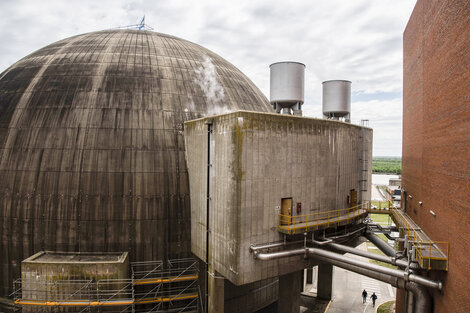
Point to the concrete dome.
(92, 150)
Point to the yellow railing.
(379, 206)
(427, 250)
(311, 220)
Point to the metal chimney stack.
(287, 87)
(337, 99)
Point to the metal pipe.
(266, 246)
(255, 248)
(382, 228)
(394, 281)
(328, 256)
(373, 256)
(385, 270)
(423, 299)
(280, 254)
(322, 243)
(382, 245)
(346, 235)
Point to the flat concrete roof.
(77, 257)
(296, 118)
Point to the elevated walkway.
(431, 255)
(299, 224)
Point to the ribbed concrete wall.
(91, 144)
(256, 160)
(436, 137)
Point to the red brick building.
(436, 138)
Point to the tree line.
(390, 165)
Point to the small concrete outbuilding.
(69, 277)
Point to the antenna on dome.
(141, 25)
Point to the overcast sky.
(357, 40)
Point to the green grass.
(387, 307)
(386, 165)
(381, 218)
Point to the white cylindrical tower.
(337, 99)
(287, 87)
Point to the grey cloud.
(358, 40)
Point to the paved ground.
(347, 289)
(376, 194)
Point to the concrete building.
(268, 178)
(436, 139)
(42, 274)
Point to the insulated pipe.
(280, 254)
(373, 256)
(322, 243)
(391, 228)
(423, 300)
(394, 281)
(255, 248)
(346, 235)
(330, 256)
(382, 245)
(385, 270)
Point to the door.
(353, 198)
(286, 211)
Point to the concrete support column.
(310, 275)
(216, 292)
(289, 292)
(325, 281)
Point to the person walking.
(364, 296)
(373, 297)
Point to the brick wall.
(436, 136)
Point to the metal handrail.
(424, 248)
(318, 218)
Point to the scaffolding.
(153, 287)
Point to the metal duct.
(373, 256)
(328, 256)
(278, 244)
(382, 245)
(385, 270)
(396, 278)
(280, 254)
(423, 300)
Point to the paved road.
(376, 195)
(347, 289)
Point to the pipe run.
(373, 256)
(255, 248)
(382, 245)
(422, 298)
(329, 257)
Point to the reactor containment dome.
(92, 150)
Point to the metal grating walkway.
(429, 254)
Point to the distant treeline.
(386, 165)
